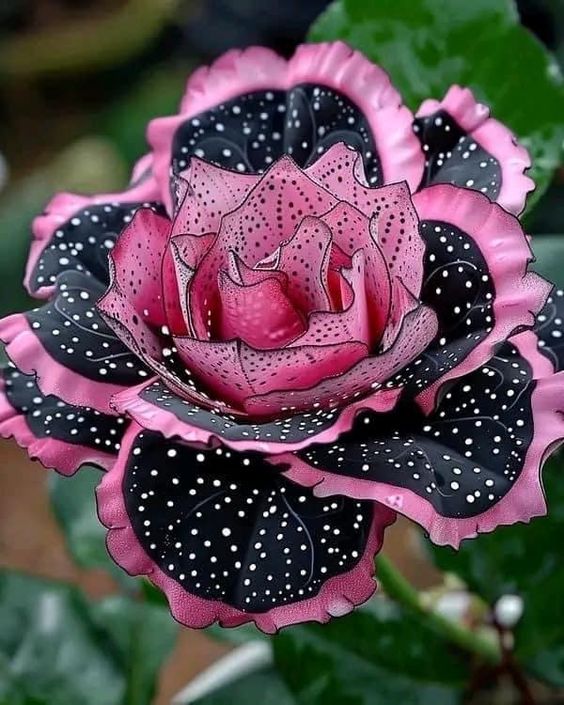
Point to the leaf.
(549, 252)
(525, 560)
(375, 656)
(58, 648)
(144, 635)
(264, 687)
(74, 504)
(428, 45)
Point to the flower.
(308, 312)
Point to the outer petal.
(465, 147)
(67, 344)
(229, 541)
(476, 280)
(77, 232)
(472, 465)
(251, 107)
(59, 435)
(154, 407)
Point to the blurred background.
(79, 80)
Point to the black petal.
(82, 243)
(251, 131)
(74, 334)
(463, 458)
(453, 157)
(229, 527)
(458, 287)
(550, 329)
(49, 417)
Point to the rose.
(316, 311)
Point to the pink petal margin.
(338, 596)
(519, 294)
(334, 65)
(64, 205)
(29, 356)
(65, 458)
(524, 501)
(494, 137)
(154, 418)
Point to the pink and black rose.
(309, 311)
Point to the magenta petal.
(186, 575)
(366, 377)
(59, 435)
(351, 324)
(304, 259)
(518, 294)
(137, 261)
(488, 157)
(234, 371)
(207, 193)
(261, 315)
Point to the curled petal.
(465, 147)
(470, 466)
(68, 345)
(205, 527)
(154, 407)
(59, 435)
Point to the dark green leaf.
(549, 251)
(74, 504)
(58, 648)
(525, 560)
(428, 45)
(375, 656)
(264, 687)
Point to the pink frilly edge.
(338, 596)
(494, 137)
(154, 418)
(519, 294)
(334, 65)
(28, 355)
(524, 501)
(64, 205)
(65, 458)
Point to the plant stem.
(400, 590)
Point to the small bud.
(508, 610)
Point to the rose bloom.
(309, 311)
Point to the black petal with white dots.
(549, 328)
(463, 458)
(458, 287)
(75, 335)
(250, 132)
(454, 157)
(229, 527)
(49, 417)
(82, 243)
(291, 429)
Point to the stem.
(400, 590)
(79, 46)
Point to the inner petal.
(260, 314)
